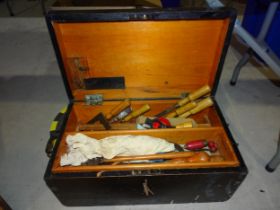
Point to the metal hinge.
(94, 99)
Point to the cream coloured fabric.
(82, 148)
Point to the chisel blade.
(166, 111)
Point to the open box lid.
(140, 53)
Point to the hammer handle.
(169, 155)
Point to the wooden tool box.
(150, 57)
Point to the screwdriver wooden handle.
(195, 95)
(182, 109)
(199, 157)
(137, 112)
(117, 109)
(169, 155)
(189, 124)
(207, 102)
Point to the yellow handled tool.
(195, 95)
(203, 104)
(191, 97)
(182, 109)
(188, 124)
(137, 112)
(117, 109)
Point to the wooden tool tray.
(83, 113)
(150, 57)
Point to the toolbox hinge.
(94, 99)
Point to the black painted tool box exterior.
(168, 186)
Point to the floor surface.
(32, 93)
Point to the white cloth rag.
(82, 148)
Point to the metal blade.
(166, 111)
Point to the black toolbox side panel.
(200, 187)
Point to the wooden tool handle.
(117, 109)
(203, 104)
(137, 112)
(189, 124)
(186, 114)
(171, 115)
(199, 157)
(200, 92)
(186, 107)
(183, 101)
(183, 109)
(207, 102)
(195, 95)
(169, 155)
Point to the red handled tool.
(158, 122)
(161, 123)
(200, 144)
(212, 146)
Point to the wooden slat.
(148, 166)
(100, 127)
(178, 135)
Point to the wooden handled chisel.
(117, 109)
(191, 97)
(201, 105)
(137, 112)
